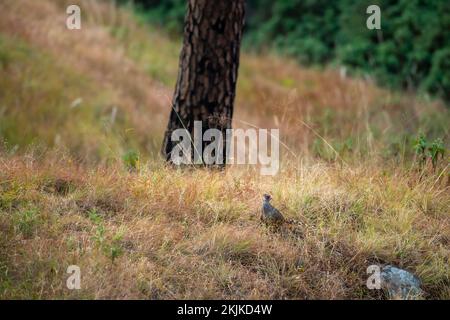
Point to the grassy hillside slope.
(73, 103)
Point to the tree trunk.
(208, 69)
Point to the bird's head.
(267, 197)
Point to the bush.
(411, 51)
(438, 80)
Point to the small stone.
(400, 283)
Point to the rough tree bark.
(208, 68)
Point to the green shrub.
(131, 160)
(26, 221)
(429, 151)
(412, 50)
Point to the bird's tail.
(295, 227)
(293, 222)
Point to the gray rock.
(400, 283)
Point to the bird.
(270, 214)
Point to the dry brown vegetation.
(347, 173)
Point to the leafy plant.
(26, 222)
(420, 147)
(99, 236)
(432, 151)
(113, 248)
(436, 149)
(131, 160)
(95, 217)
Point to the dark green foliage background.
(411, 51)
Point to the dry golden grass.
(347, 173)
(196, 234)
